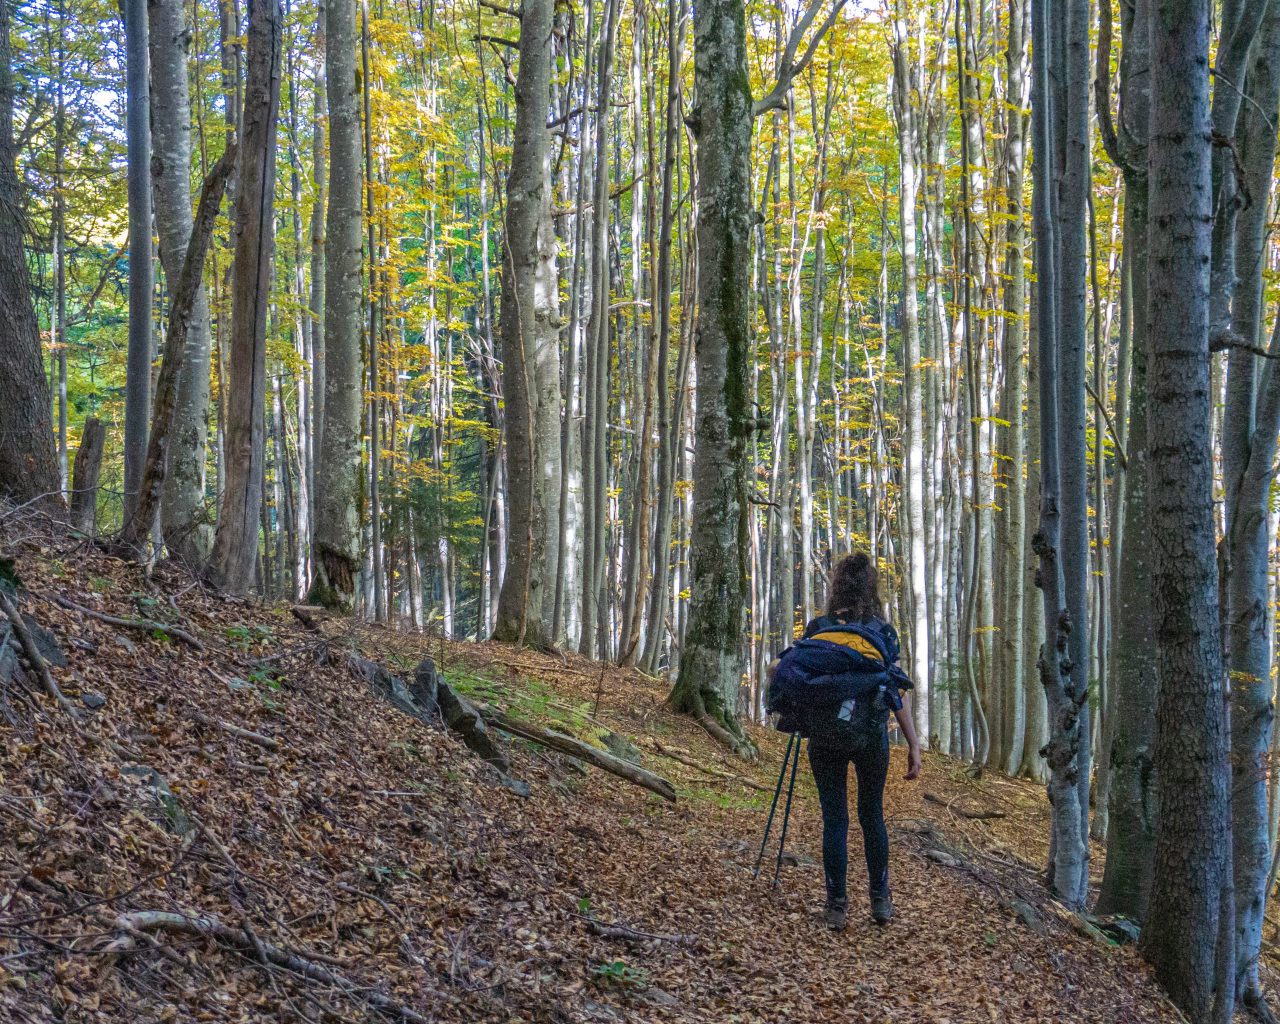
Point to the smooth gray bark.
(1250, 425)
(1191, 858)
(906, 94)
(1069, 856)
(183, 497)
(1132, 809)
(527, 299)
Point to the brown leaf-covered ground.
(384, 853)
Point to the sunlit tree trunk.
(906, 104)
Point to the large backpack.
(838, 685)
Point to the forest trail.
(339, 830)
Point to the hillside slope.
(255, 780)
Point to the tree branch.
(136, 923)
(776, 98)
(142, 625)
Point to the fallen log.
(583, 751)
(461, 716)
(143, 922)
(310, 615)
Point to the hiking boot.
(882, 911)
(836, 915)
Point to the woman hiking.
(855, 601)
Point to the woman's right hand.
(913, 762)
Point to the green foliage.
(620, 974)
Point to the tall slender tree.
(523, 329)
(1192, 866)
(338, 466)
(1126, 879)
(1251, 425)
(235, 550)
(711, 663)
(169, 38)
(137, 399)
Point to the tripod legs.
(794, 743)
(786, 813)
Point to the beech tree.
(1132, 812)
(235, 550)
(527, 323)
(1251, 426)
(169, 38)
(711, 664)
(1191, 880)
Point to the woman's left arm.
(908, 727)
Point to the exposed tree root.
(137, 923)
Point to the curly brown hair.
(855, 588)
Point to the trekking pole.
(786, 760)
(786, 814)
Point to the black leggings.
(831, 773)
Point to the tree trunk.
(84, 478)
(1012, 462)
(137, 398)
(523, 325)
(594, 640)
(1068, 868)
(711, 662)
(1248, 453)
(235, 550)
(183, 494)
(1072, 275)
(1191, 866)
(28, 461)
(338, 487)
(905, 98)
(316, 311)
(1126, 879)
(141, 524)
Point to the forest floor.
(397, 872)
